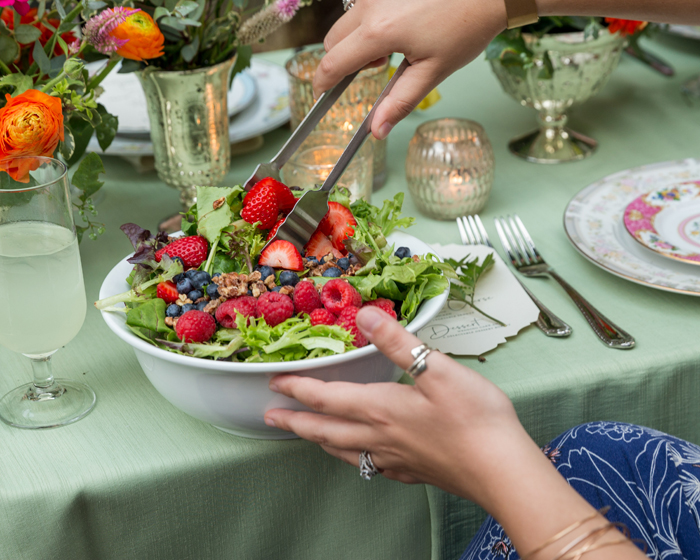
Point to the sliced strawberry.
(273, 231)
(320, 245)
(192, 250)
(281, 254)
(338, 224)
(167, 291)
(260, 205)
(285, 197)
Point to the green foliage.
(86, 178)
(9, 49)
(468, 274)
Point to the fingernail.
(270, 422)
(273, 387)
(369, 318)
(384, 130)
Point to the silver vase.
(188, 112)
(581, 66)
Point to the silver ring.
(347, 4)
(419, 353)
(367, 468)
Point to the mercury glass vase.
(449, 168)
(348, 111)
(188, 112)
(581, 67)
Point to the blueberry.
(173, 310)
(213, 291)
(289, 278)
(188, 307)
(332, 272)
(276, 288)
(265, 271)
(184, 286)
(312, 260)
(201, 305)
(403, 252)
(194, 295)
(179, 277)
(216, 275)
(201, 278)
(190, 273)
(343, 263)
(250, 292)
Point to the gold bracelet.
(561, 534)
(570, 547)
(521, 12)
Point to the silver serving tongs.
(312, 206)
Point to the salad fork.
(473, 232)
(527, 260)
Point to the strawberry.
(273, 231)
(281, 254)
(260, 205)
(320, 245)
(285, 197)
(192, 250)
(167, 291)
(338, 224)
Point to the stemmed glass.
(42, 279)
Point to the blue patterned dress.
(650, 480)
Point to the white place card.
(459, 329)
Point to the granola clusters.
(317, 267)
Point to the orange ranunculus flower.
(625, 26)
(31, 124)
(145, 40)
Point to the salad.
(220, 292)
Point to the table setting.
(165, 438)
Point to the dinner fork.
(473, 232)
(527, 260)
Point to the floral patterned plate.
(668, 221)
(594, 222)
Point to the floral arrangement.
(511, 49)
(48, 99)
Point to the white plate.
(593, 220)
(269, 110)
(124, 98)
(689, 31)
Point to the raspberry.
(195, 326)
(275, 308)
(385, 305)
(322, 316)
(306, 297)
(226, 312)
(337, 294)
(346, 319)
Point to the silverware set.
(528, 261)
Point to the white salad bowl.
(235, 396)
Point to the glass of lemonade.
(39, 256)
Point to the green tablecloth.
(139, 479)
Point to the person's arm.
(440, 36)
(452, 429)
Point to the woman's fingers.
(348, 56)
(322, 429)
(345, 25)
(354, 401)
(388, 335)
(352, 458)
(417, 81)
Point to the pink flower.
(287, 8)
(20, 6)
(98, 29)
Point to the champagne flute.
(39, 255)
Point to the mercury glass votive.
(449, 168)
(348, 111)
(317, 156)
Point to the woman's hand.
(438, 37)
(451, 429)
